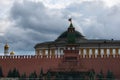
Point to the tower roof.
(6, 46)
(74, 34)
(70, 36)
(77, 35)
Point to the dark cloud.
(105, 25)
(35, 16)
(34, 23)
(97, 20)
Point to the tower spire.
(70, 20)
(6, 48)
(71, 32)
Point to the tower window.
(96, 51)
(73, 48)
(119, 51)
(84, 51)
(113, 51)
(102, 51)
(68, 48)
(46, 52)
(90, 51)
(108, 51)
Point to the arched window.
(73, 48)
(90, 51)
(46, 52)
(96, 51)
(79, 51)
(84, 51)
(113, 51)
(40, 52)
(118, 51)
(102, 51)
(68, 48)
(108, 51)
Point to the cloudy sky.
(23, 23)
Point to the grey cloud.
(97, 20)
(33, 23)
(36, 23)
(37, 17)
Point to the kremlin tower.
(6, 49)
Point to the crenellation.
(56, 56)
(32, 56)
(87, 55)
(10, 57)
(18, 57)
(83, 53)
(105, 56)
(29, 56)
(93, 56)
(36, 56)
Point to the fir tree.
(23, 77)
(100, 76)
(9, 73)
(92, 74)
(41, 74)
(15, 73)
(58, 76)
(48, 75)
(1, 72)
(33, 76)
(110, 75)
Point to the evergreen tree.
(92, 74)
(41, 74)
(33, 76)
(1, 72)
(9, 73)
(15, 73)
(48, 75)
(40, 77)
(110, 75)
(23, 77)
(100, 76)
(58, 76)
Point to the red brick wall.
(31, 64)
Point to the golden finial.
(12, 53)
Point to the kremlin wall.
(70, 52)
(28, 64)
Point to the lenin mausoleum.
(70, 56)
